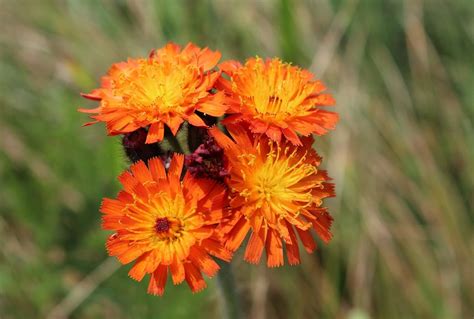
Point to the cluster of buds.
(221, 154)
(207, 161)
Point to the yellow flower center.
(167, 217)
(157, 87)
(275, 180)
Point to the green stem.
(229, 296)
(174, 143)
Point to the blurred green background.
(402, 155)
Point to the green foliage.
(402, 156)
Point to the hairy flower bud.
(135, 147)
(207, 161)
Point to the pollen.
(274, 179)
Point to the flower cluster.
(249, 173)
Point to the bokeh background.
(402, 155)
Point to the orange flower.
(276, 98)
(275, 189)
(166, 88)
(166, 225)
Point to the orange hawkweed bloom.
(276, 192)
(166, 88)
(276, 99)
(166, 225)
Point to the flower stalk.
(230, 301)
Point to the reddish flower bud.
(136, 148)
(207, 161)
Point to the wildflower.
(166, 225)
(275, 190)
(166, 88)
(276, 99)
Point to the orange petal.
(208, 59)
(112, 206)
(229, 66)
(254, 249)
(221, 139)
(91, 97)
(292, 251)
(115, 246)
(128, 181)
(190, 49)
(151, 55)
(130, 255)
(210, 81)
(322, 225)
(141, 172)
(155, 133)
(258, 126)
(274, 133)
(174, 122)
(138, 271)
(320, 121)
(202, 232)
(141, 191)
(237, 234)
(175, 169)
(215, 198)
(214, 106)
(158, 281)
(120, 126)
(177, 271)
(324, 100)
(169, 49)
(195, 120)
(202, 260)
(307, 240)
(111, 222)
(112, 214)
(274, 249)
(292, 136)
(105, 117)
(90, 123)
(125, 197)
(223, 84)
(154, 260)
(240, 136)
(216, 248)
(194, 277)
(197, 188)
(318, 87)
(90, 111)
(157, 169)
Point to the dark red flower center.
(162, 225)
